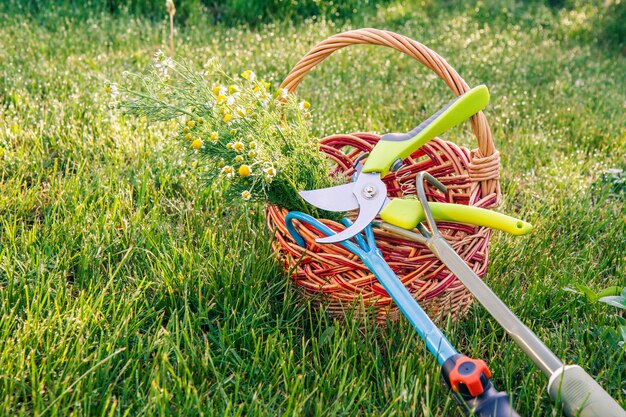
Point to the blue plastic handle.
(366, 250)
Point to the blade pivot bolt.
(369, 191)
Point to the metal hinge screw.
(369, 192)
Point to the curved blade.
(369, 207)
(338, 198)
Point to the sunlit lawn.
(125, 289)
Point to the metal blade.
(338, 198)
(371, 195)
(366, 215)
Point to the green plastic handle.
(393, 146)
(407, 213)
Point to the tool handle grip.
(493, 403)
(581, 395)
(468, 379)
(488, 181)
(407, 213)
(395, 146)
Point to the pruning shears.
(368, 193)
(468, 379)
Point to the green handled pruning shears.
(369, 194)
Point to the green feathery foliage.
(257, 143)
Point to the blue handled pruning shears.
(467, 378)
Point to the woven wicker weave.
(337, 278)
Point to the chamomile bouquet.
(256, 141)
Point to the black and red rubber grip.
(468, 379)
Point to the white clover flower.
(164, 66)
(159, 56)
(114, 91)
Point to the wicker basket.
(337, 278)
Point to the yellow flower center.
(196, 144)
(238, 146)
(271, 172)
(227, 118)
(245, 171)
(228, 171)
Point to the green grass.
(126, 290)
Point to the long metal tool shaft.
(579, 393)
(525, 338)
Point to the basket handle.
(484, 167)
